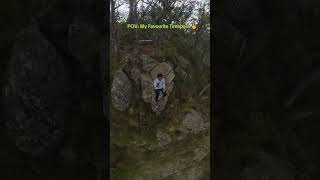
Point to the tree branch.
(301, 88)
(204, 89)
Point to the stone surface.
(147, 88)
(175, 160)
(135, 75)
(83, 41)
(148, 93)
(194, 122)
(160, 105)
(166, 70)
(163, 138)
(148, 63)
(36, 95)
(121, 91)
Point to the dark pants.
(157, 91)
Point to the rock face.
(194, 122)
(176, 160)
(36, 95)
(135, 75)
(121, 91)
(122, 86)
(191, 173)
(148, 94)
(163, 138)
(147, 88)
(160, 105)
(83, 41)
(168, 144)
(51, 94)
(166, 70)
(148, 63)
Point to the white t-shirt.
(159, 84)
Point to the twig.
(301, 88)
(204, 89)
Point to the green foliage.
(124, 172)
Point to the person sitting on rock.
(159, 86)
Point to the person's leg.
(157, 94)
(163, 93)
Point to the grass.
(124, 172)
(136, 158)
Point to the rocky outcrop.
(148, 94)
(121, 91)
(51, 90)
(135, 75)
(163, 138)
(148, 63)
(83, 42)
(166, 70)
(147, 88)
(36, 95)
(168, 144)
(196, 172)
(159, 106)
(175, 160)
(194, 122)
(122, 86)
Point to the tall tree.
(133, 12)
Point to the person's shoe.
(164, 94)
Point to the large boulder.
(36, 95)
(174, 160)
(166, 70)
(198, 171)
(148, 93)
(121, 91)
(163, 138)
(83, 42)
(147, 88)
(148, 63)
(159, 106)
(194, 122)
(135, 74)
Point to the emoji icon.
(194, 26)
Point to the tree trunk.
(132, 17)
(113, 27)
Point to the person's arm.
(154, 84)
(164, 84)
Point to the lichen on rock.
(148, 63)
(121, 91)
(36, 94)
